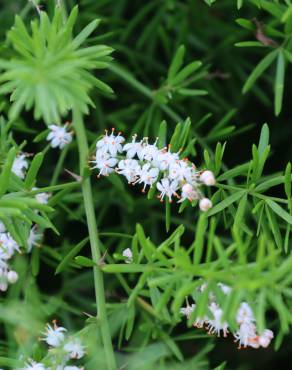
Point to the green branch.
(94, 241)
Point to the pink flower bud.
(12, 277)
(208, 178)
(205, 204)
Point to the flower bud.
(208, 178)
(127, 253)
(205, 204)
(12, 276)
(187, 188)
(264, 341)
(3, 286)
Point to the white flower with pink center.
(111, 143)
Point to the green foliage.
(49, 71)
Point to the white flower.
(3, 280)
(127, 253)
(165, 159)
(34, 238)
(244, 314)
(32, 365)
(72, 368)
(111, 143)
(8, 246)
(133, 148)
(215, 325)
(265, 338)
(74, 348)
(186, 311)
(3, 264)
(12, 277)
(180, 171)
(129, 168)
(246, 335)
(104, 162)
(147, 175)
(42, 198)
(225, 288)
(59, 136)
(2, 227)
(149, 152)
(208, 178)
(54, 336)
(205, 204)
(188, 192)
(168, 188)
(199, 323)
(20, 165)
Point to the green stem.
(94, 240)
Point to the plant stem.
(94, 240)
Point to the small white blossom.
(42, 198)
(2, 227)
(111, 143)
(265, 338)
(127, 253)
(32, 365)
(129, 168)
(3, 280)
(104, 162)
(20, 165)
(59, 136)
(74, 348)
(225, 288)
(149, 152)
(205, 204)
(165, 159)
(186, 311)
(34, 238)
(244, 314)
(3, 264)
(246, 335)
(147, 175)
(133, 148)
(73, 368)
(12, 277)
(188, 192)
(199, 323)
(54, 335)
(207, 177)
(168, 188)
(8, 246)
(215, 324)
(180, 171)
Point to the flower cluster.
(143, 163)
(8, 247)
(246, 335)
(59, 136)
(63, 350)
